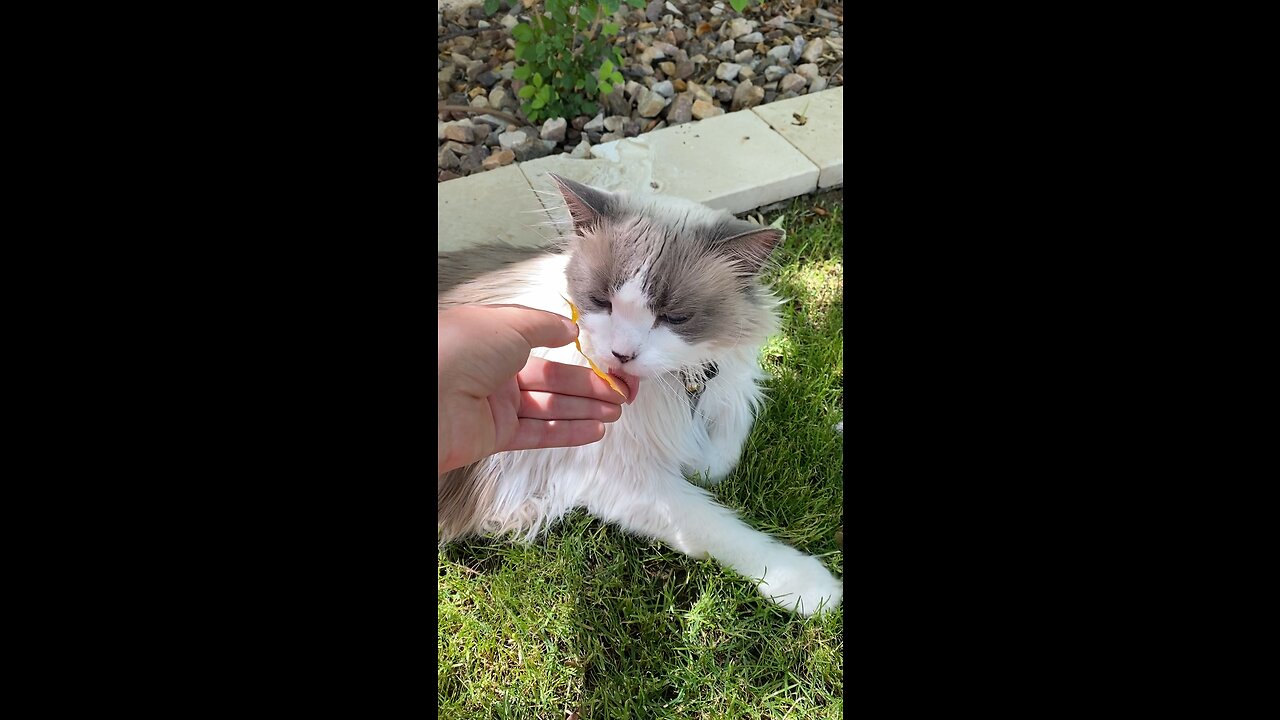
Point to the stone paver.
(496, 205)
(734, 162)
(821, 138)
(625, 165)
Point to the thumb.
(538, 327)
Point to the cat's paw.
(802, 585)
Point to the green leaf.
(537, 79)
(522, 33)
(738, 4)
(606, 68)
(522, 72)
(544, 92)
(490, 7)
(610, 29)
(605, 88)
(539, 102)
(527, 92)
(588, 108)
(558, 15)
(611, 6)
(616, 79)
(640, 3)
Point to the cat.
(672, 303)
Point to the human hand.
(493, 397)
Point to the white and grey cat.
(672, 303)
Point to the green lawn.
(592, 620)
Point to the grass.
(594, 621)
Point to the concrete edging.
(738, 162)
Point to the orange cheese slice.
(605, 376)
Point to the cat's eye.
(675, 319)
(602, 304)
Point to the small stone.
(818, 84)
(610, 137)
(679, 85)
(498, 159)
(650, 104)
(747, 96)
(509, 21)
(458, 148)
(650, 54)
(776, 21)
(780, 52)
(698, 59)
(631, 127)
(746, 73)
(495, 123)
(596, 124)
(508, 140)
(487, 78)
(553, 129)
(440, 126)
(497, 97)
(751, 38)
(446, 175)
(668, 68)
(474, 161)
(728, 71)
(684, 70)
(474, 68)
(703, 109)
(673, 9)
(579, 122)
(681, 111)
(633, 89)
(582, 151)
(447, 159)
(446, 75)
(480, 101)
(739, 27)
(813, 51)
(744, 57)
(716, 10)
(808, 70)
(616, 103)
(654, 10)
(507, 71)
(724, 50)
(664, 88)
(827, 15)
(463, 43)
(615, 123)
(773, 73)
(792, 83)
(724, 92)
(797, 47)
(533, 149)
(481, 131)
(700, 93)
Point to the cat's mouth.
(630, 382)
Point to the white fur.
(634, 476)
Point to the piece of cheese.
(605, 376)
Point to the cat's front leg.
(728, 411)
(690, 520)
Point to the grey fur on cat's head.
(664, 283)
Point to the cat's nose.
(624, 359)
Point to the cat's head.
(664, 284)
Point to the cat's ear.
(748, 244)
(586, 204)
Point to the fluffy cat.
(672, 303)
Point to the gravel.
(684, 61)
